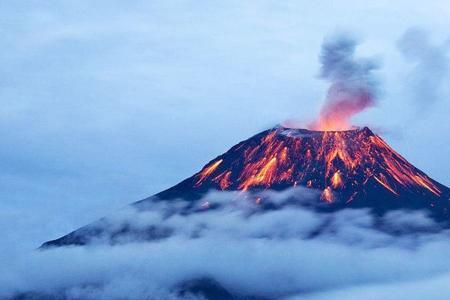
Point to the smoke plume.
(431, 65)
(353, 86)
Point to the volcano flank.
(346, 169)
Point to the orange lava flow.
(263, 176)
(428, 185)
(223, 180)
(402, 171)
(333, 162)
(385, 184)
(207, 171)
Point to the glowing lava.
(336, 180)
(342, 165)
(208, 170)
(327, 195)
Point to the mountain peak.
(302, 132)
(345, 169)
(350, 168)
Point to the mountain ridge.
(350, 169)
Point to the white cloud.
(270, 253)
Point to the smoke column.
(353, 87)
(431, 66)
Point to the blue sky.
(107, 102)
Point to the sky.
(107, 102)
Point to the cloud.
(435, 288)
(430, 65)
(247, 250)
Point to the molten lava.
(336, 180)
(208, 171)
(327, 195)
(343, 165)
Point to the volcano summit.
(345, 169)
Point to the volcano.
(348, 169)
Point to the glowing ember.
(327, 195)
(336, 180)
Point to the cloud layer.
(274, 253)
